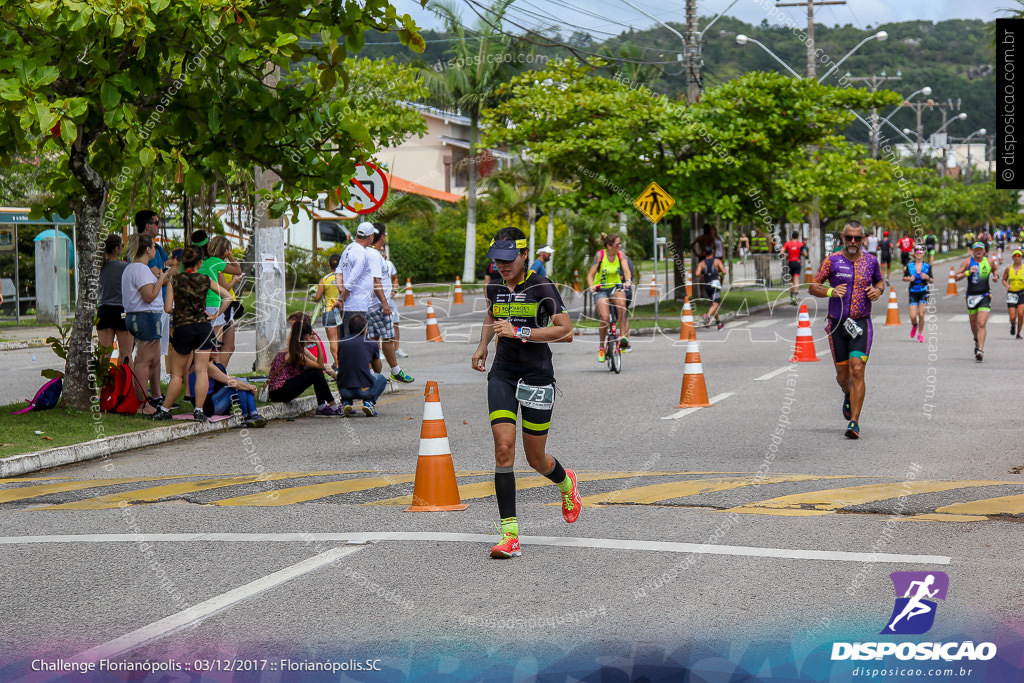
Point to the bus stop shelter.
(22, 238)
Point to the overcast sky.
(609, 17)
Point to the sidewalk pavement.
(25, 336)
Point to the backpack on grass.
(47, 397)
(118, 393)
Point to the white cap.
(545, 250)
(366, 229)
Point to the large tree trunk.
(469, 263)
(79, 381)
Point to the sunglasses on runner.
(853, 238)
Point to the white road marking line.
(775, 373)
(737, 324)
(993, 318)
(686, 411)
(197, 613)
(765, 323)
(421, 536)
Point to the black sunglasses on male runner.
(853, 238)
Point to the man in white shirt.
(873, 244)
(379, 325)
(354, 277)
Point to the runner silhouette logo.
(916, 592)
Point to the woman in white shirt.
(143, 305)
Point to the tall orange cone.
(409, 301)
(433, 331)
(892, 315)
(689, 284)
(114, 358)
(808, 274)
(687, 332)
(576, 281)
(694, 393)
(458, 292)
(804, 351)
(951, 285)
(654, 285)
(435, 488)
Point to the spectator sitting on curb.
(225, 390)
(295, 370)
(358, 355)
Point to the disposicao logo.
(914, 614)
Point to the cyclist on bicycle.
(613, 277)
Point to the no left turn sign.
(368, 187)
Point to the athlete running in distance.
(712, 270)
(1013, 280)
(919, 274)
(979, 269)
(854, 282)
(526, 313)
(794, 250)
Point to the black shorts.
(1020, 300)
(503, 407)
(887, 258)
(843, 346)
(905, 258)
(794, 267)
(195, 337)
(982, 302)
(110, 318)
(917, 298)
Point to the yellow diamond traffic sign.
(654, 202)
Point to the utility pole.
(815, 243)
(693, 57)
(874, 82)
(919, 107)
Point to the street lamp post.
(967, 141)
(959, 117)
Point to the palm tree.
(470, 82)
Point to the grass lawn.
(60, 427)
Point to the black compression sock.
(557, 473)
(505, 491)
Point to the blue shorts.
(144, 325)
(917, 298)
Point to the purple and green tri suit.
(858, 276)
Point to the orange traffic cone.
(458, 292)
(892, 316)
(951, 285)
(689, 284)
(808, 275)
(576, 281)
(694, 393)
(654, 285)
(435, 488)
(433, 331)
(804, 351)
(687, 332)
(114, 358)
(409, 301)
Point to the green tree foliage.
(112, 87)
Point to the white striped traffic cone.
(688, 332)
(951, 284)
(654, 285)
(694, 392)
(892, 315)
(457, 299)
(808, 274)
(804, 350)
(409, 300)
(435, 488)
(689, 284)
(433, 331)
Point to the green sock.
(509, 525)
(565, 486)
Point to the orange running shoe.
(509, 547)
(571, 502)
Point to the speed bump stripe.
(680, 489)
(302, 494)
(157, 493)
(1003, 505)
(23, 492)
(485, 489)
(830, 500)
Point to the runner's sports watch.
(524, 333)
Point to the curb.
(102, 448)
(27, 344)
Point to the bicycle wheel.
(616, 358)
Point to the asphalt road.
(684, 556)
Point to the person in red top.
(794, 249)
(906, 245)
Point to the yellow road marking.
(23, 492)
(1003, 505)
(301, 494)
(830, 500)
(680, 489)
(936, 517)
(156, 493)
(21, 479)
(485, 489)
